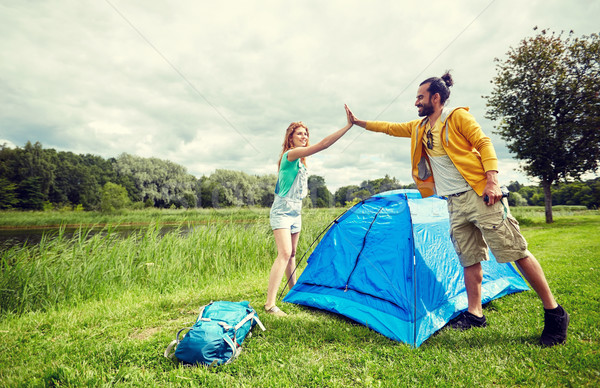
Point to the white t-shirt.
(447, 178)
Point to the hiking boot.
(275, 311)
(556, 322)
(466, 320)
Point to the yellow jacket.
(471, 151)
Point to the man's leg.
(473, 317)
(533, 273)
(471, 249)
(473, 279)
(556, 319)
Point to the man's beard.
(426, 110)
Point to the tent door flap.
(361, 249)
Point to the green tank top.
(287, 174)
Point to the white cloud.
(214, 85)
(7, 143)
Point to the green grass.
(100, 310)
(14, 219)
(29, 219)
(535, 215)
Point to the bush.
(114, 197)
(137, 205)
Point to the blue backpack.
(216, 337)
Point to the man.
(452, 157)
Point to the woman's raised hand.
(350, 116)
(352, 119)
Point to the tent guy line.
(183, 77)
(411, 83)
(193, 87)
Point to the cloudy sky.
(214, 84)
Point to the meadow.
(99, 310)
(52, 219)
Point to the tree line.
(37, 178)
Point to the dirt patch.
(142, 334)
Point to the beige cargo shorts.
(475, 226)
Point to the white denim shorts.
(285, 214)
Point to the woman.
(290, 189)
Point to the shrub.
(114, 197)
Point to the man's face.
(423, 103)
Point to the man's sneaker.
(555, 327)
(466, 320)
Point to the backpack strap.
(202, 312)
(235, 350)
(260, 324)
(170, 351)
(250, 316)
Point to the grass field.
(100, 310)
(44, 219)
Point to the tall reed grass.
(221, 245)
(86, 266)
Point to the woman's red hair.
(288, 142)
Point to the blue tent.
(389, 263)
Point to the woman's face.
(300, 137)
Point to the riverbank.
(11, 219)
(54, 219)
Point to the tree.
(527, 192)
(29, 193)
(211, 193)
(515, 199)
(162, 181)
(75, 182)
(318, 193)
(361, 194)
(380, 185)
(513, 187)
(266, 189)
(546, 94)
(31, 169)
(114, 197)
(595, 185)
(344, 194)
(8, 194)
(229, 188)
